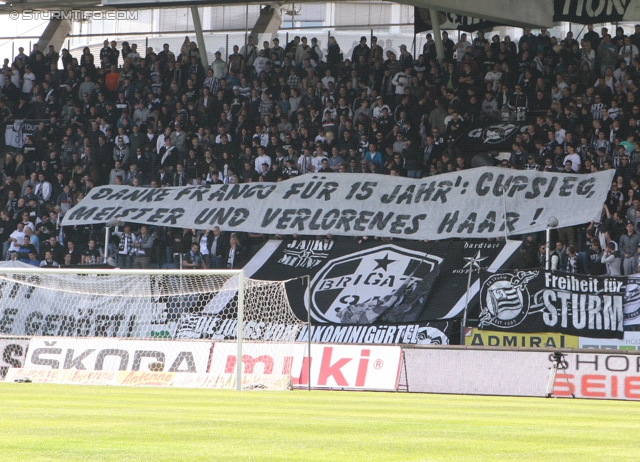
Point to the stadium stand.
(274, 111)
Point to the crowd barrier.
(611, 373)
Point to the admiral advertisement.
(487, 338)
(477, 203)
(539, 301)
(375, 292)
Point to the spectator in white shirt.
(261, 159)
(493, 77)
(628, 51)
(573, 157)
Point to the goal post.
(240, 330)
(224, 307)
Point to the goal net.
(191, 319)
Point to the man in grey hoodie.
(628, 247)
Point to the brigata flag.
(545, 301)
(466, 204)
(379, 283)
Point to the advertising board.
(357, 367)
(110, 354)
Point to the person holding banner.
(611, 258)
(126, 247)
(628, 248)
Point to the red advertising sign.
(603, 376)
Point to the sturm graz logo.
(505, 299)
(359, 287)
(632, 299)
(495, 134)
(431, 336)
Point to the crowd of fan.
(270, 113)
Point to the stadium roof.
(533, 13)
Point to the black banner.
(495, 137)
(540, 301)
(590, 11)
(376, 282)
(211, 326)
(449, 21)
(430, 333)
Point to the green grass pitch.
(68, 423)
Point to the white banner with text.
(468, 204)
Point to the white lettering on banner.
(568, 302)
(594, 8)
(378, 334)
(462, 204)
(101, 354)
(33, 310)
(603, 376)
(194, 325)
(332, 366)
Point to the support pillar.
(54, 34)
(197, 25)
(437, 35)
(267, 26)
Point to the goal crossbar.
(120, 272)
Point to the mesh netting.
(143, 306)
(114, 312)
